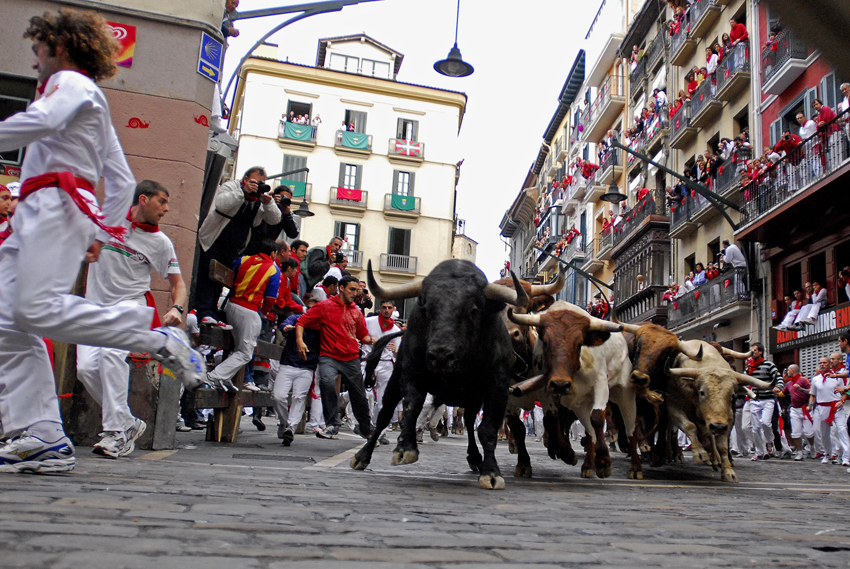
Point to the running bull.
(455, 347)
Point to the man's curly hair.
(85, 37)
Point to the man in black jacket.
(318, 262)
(283, 199)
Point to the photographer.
(363, 300)
(283, 199)
(732, 256)
(238, 206)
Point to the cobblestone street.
(258, 504)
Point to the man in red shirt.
(802, 424)
(341, 324)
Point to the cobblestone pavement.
(258, 504)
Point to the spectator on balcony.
(738, 33)
(671, 291)
(660, 96)
(810, 312)
(351, 127)
(787, 144)
(642, 193)
(794, 308)
(808, 127)
(675, 195)
(228, 30)
(726, 41)
(693, 85)
(702, 75)
(712, 59)
(771, 44)
(718, 49)
(689, 282)
(700, 276)
(677, 104)
(825, 115)
(844, 281)
(712, 271)
(634, 59)
(732, 256)
(725, 148)
(317, 120)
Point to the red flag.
(693, 193)
(349, 194)
(696, 294)
(675, 306)
(726, 283)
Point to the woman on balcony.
(699, 277)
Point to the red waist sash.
(70, 184)
(832, 410)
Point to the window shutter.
(828, 91)
(395, 182)
(391, 241)
(399, 129)
(359, 119)
(811, 95)
(406, 245)
(357, 236)
(411, 184)
(359, 178)
(415, 137)
(341, 175)
(775, 132)
(338, 229)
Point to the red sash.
(70, 184)
(832, 410)
(806, 414)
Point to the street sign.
(210, 58)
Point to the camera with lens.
(262, 187)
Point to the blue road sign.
(210, 58)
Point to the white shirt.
(823, 388)
(229, 197)
(319, 292)
(376, 333)
(661, 98)
(123, 270)
(317, 121)
(844, 105)
(69, 128)
(334, 271)
(820, 297)
(711, 66)
(689, 285)
(808, 129)
(734, 257)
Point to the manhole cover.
(274, 457)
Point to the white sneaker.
(825, 460)
(179, 356)
(136, 430)
(113, 444)
(27, 453)
(798, 456)
(251, 386)
(210, 321)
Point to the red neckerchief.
(149, 227)
(753, 363)
(40, 88)
(385, 323)
(248, 197)
(330, 254)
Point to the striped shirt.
(766, 371)
(257, 276)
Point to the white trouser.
(822, 432)
(246, 329)
(317, 417)
(382, 377)
(105, 374)
(808, 312)
(538, 422)
(39, 264)
(430, 415)
(762, 411)
(790, 317)
(741, 440)
(450, 416)
(295, 379)
(683, 439)
(800, 426)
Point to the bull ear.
(596, 338)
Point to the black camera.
(262, 187)
(285, 201)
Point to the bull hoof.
(645, 448)
(358, 464)
(656, 461)
(408, 457)
(604, 472)
(512, 446)
(491, 482)
(587, 472)
(522, 471)
(701, 456)
(474, 462)
(730, 476)
(635, 475)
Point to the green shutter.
(411, 184)
(338, 229)
(358, 180)
(357, 236)
(341, 175)
(406, 245)
(395, 182)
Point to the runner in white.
(122, 277)
(379, 326)
(70, 143)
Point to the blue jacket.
(290, 356)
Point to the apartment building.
(382, 161)
(798, 213)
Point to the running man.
(70, 144)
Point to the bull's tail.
(377, 350)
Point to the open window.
(297, 109)
(398, 242)
(357, 119)
(817, 270)
(347, 230)
(407, 129)
(793, 278)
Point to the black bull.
(455, 347)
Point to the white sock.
(48, 431)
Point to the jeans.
(329, 368)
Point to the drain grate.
(274, 457)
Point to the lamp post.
(614, 196)
(454, 65)
(303, 209)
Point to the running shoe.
(433, 432)
(210, 321)
(113, 444)
(756, 457)
(825, 460)
(798, 456)
(251, 386)
(770, 449)
(288, 437)
(258, 422)
(27, 453)
(220, 384)
(179, 356)
(136, 430)
(383, 439)
(328, 432)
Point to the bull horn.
(552, 288)
(407, 290)
(523, 319)
(736, 355)
(683, 372)
(527, 386)
(744, 379)
(595, 323)
(630, 328)
(517, 297)
(690, 353)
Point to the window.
(399, 242)
(291, 163)
(375, 68)
(407, 129)
(775, 132)
(299, 109)
(343, 229)
(403, 183)
(350, 176)
(713, 251)
(829, 92)
(15, 94)
(793, 278)
(817, 270)
(357, 118)
(345, 63)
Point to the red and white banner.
(408, 148)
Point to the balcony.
(349, 201)
(574, 251)
(782, 67)
(704, 107)
(636, 79)
(634, 218)
(406, 151)
(610, 169)
(401, 206)
(797, 189)
(733, 73)
(682, 47)
(704, 14)
(681, 130)
(355, 259)
(638, 144)
(398, 264)
(729, 173)
(681, 224)
(592, 262)
(725, 296)
(605, 109)
(656, 131)
(656, 49)
(646, 256)
(294, 134)
(605, 239)
(353, 142)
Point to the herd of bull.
(499, 347)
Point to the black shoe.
(356, 429)
(197, 426)
(258, 422)
(288, 437)
(384, 440)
